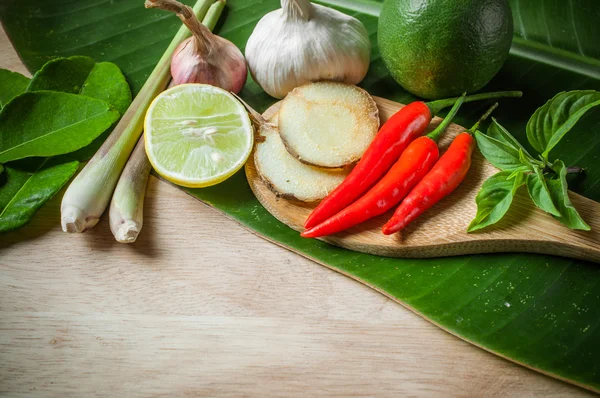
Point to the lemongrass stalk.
(126, 211)
(213, 14)
(89, 194)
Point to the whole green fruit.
(442, 48)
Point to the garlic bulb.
(204, 57)
(304, 42)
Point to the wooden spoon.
(442, 230)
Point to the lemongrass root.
(126, 211)
(90, 192)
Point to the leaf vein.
(22, 188)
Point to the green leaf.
(25, 193)
(494, 199)
(86, 153)
(551, 122)
(11, 85)
(518, 172)
(82, 75)
(503, 155)
(541, 311)
(51, 123)
(573, 46)
(497, 131)
(62, 74)
(10, 182)
(106, 81)
(525, 158)
(539, 192)
(559, 190)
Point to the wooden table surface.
(199, 306)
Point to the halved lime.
(197, 135)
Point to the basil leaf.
(502, 155)
(539, 192)
(25, 193)
(559, 190)
(525, 158)
(1, 172)
(528, 165)
(494, 199)
(11, 85)
(49, 123)
(548, 125)
(497, 131)
(518, 171)
(82, 75)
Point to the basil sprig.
(546, 180)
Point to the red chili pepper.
(446, 175)
(404, 126)
(413, 165)
(400, 130)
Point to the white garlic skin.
(289, 48)
(220, 64)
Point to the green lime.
(442, 48)
(197, 135)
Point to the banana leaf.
(540, 311)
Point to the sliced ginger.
(328, 124)
(287, 176)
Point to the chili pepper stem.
(482, 119)
(435, 134)
(438, 105)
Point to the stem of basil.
(570, 170)
(89, 194)
(575, 170)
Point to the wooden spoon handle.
(581, 244)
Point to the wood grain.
(201, 307)
(442, 230)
